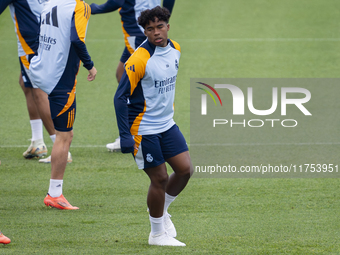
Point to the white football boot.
(36, 149)
(164, 240)
(169, 226)
(48, 159)
(115, 146)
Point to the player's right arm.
(133, 73)
(109, 6)
(4, 4)
(122, 114)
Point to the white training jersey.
(61, 45)
(147, 88)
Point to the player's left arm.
(79, 21)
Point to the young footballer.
(144, 108)
(54, 70)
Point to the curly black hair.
(148, 15)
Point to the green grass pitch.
(219, 38)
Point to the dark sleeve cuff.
(89, 65)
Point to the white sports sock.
(168, 200)
(157, 225)
(53, 138)
(56, 188)
(37, 129)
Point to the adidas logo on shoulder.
(131, 68)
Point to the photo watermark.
(265, 128)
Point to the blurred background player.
(133, 33)
(4, 239)
(54, 70)
(144, 111)
(26, 18)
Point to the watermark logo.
(204, 97)
(295, 96)
(264, 127)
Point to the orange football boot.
(59, 203)
(4, 239)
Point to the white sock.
(37, 129)
(157, 225)
(56, 188)
(53, 138)
(168, 200)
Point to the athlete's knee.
(159, 180)
(183, 166)
(186, 171)
(65, 137)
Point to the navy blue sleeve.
(122, 114)
(169, 4)
(80, 47)
(4, 4)
(109, 6)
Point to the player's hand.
(92, 74)
(127, 144)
